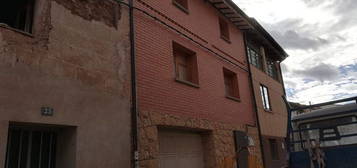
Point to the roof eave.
(237, 16)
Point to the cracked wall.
(77, 61)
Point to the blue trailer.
(326, 134)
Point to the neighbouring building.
(265, 56)
(65, 84)
(195, 96)
(328, 128)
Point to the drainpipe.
(288, 107)
(289, 111)
(134, 111)
(289, 130)
(254, 101)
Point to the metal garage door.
(180, 149)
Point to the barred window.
(29, 148)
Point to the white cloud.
(322, 72)
(320, 37)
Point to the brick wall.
(278, 115)
(273, 123)
(163, 102)
(282, 152)
(157, 89)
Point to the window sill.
(233, 98)
(261, 70)
(226, 39)
(3, 25)
(183, 9)
(187, 83)
(268, 111)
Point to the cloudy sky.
(320, 36)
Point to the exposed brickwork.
(200, 23)
(158, 90)
(77, 62)
(279, 113)
(104, 11)
(163, 102)
(282, 152)
(69, 60)
(273, 123)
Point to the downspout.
(289, 111)
(288, 107)
(254, 101)
(289, 130)
(134, 111)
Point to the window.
(254, 57)
(17, 14)
(224, 29)
(265, 97)
(274, 151)
(272, 69)
(231, 84)
(181, 4)
(185, 64)
(28, 148)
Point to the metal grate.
(31, 148)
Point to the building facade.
(265, 56)
(65, 84)
(65, 90)
(194, 91)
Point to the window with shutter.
(224, 29)
(231, 84)
(185, 64)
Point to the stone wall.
(218, 139)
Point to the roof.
(342, 109)
(269, 40)
(231, 11)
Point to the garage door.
(180, 149)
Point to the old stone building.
(65, 84)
